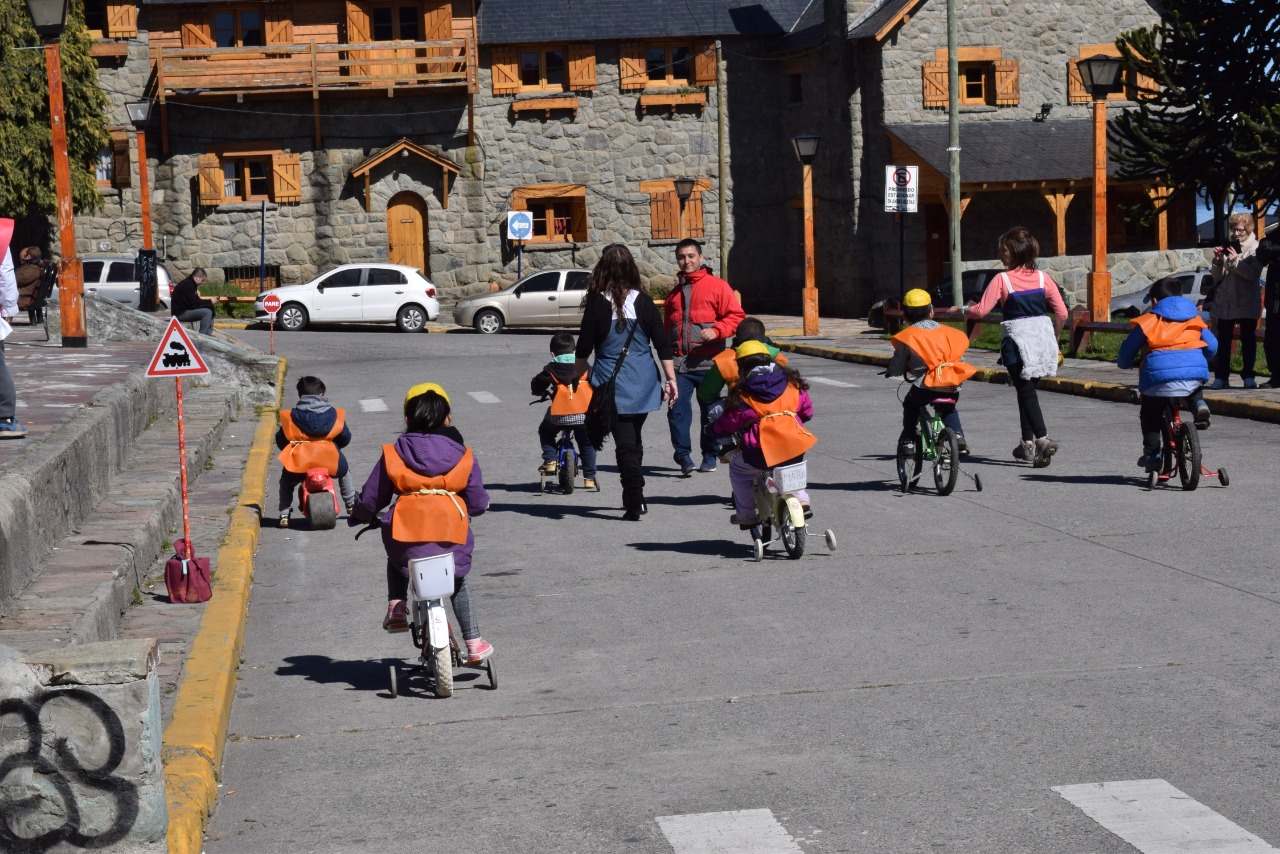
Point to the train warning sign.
(176, 356)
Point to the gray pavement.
(923, 688)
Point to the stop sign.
(271, 303)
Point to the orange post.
(1099, 279)
(142, 189)
(70, 275)
(810, 279)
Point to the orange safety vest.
(940, 349)
(1171, 334)
(428, 509)
(727, 362)
(571, 398)
(304, 452)
(782, 436)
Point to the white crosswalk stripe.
(1156, 818)
(373, 404)
(836, 383)
(736, 832)
(484, 397)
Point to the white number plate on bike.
(793, 477)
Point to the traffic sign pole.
(271, 304)
(182, 468)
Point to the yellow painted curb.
(194, 739)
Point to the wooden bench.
(1082, 328)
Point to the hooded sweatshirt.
(430, 454)
(764, 384)
(314, 415)
(1168, 372)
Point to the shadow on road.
(369, 674)
(713, 548)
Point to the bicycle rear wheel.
(946, 461)
(909, 467)
(1188, 455)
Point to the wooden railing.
(314, 67)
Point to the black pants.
(1029, 414)
(1151, 418)
(628, 444)
(916, 400)
(1248, 347)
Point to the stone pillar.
(80, 732)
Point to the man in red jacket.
(701, 314)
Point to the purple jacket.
(428, 454)
(763, 387)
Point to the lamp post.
(50, 18)
(806, 147)
(1099, 74)
(684, 190)
(140, 114)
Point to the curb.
(1257, 410)
(195, 738)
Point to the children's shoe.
(1026, 451)
(709, 463)
(808, 511)
(478, 649)
(1250, 382)
(549, 467)
(590, 483)
(742, 523)
(1218, 385)
(395, 621)
(962, 444)
(907, 449)
(11, 429)
(1150, 461)
(284, 519)
(1202, 415)
(1045, 448)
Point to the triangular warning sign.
(176, 356)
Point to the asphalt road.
(923, 688)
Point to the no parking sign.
(900, 183)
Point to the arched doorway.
(407, 231)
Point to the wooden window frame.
(283, 175)
(669, 79)
(983, 78)
(236, 11)
(395, 21)
(542, 198)
(633, 64)
(116, 154)
(999, 76)
(542, 50)
(668, 219)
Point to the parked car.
(544, 298)
(1196, 285)
(972, 284)
(113, 278)
(356, 293)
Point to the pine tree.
(1214, 122)
(26, 150)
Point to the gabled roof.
(1000, 152)
(527, 21)
(806, 33)
(880, 19)
(406, 146)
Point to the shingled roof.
(999, 152)
(807, 32)
(525, 21)
(879, 16)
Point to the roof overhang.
(406, 148)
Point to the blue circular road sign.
(519, 225)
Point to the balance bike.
(778, 510)
(319, 499)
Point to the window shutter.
(935, 84)
(286, 185)
(210, 180)
(197, 34)
(122, 20)
(504, 66)
(438, 22)
(578, 220)
(1007, 86)
(1075, 85)
(693, 216)
(358, 29)
(631, 67)
(582, 66)
(661, 221)
(704, 63)
(120, 171)
(1143, 88)
(279, 24)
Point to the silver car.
(544, 298)
(113, 278)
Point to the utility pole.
(953, 153)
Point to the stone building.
(331, 131)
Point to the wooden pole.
(810, 280)
(143, 189)
(70, 278)
(1099, 279)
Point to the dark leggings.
(628, 446)
(463, 609)
(1151, 418)
(1248, 347)
(1028, 404)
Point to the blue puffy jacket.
(1161, 366)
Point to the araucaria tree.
(26, 150)
(1214, 122)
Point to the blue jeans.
(680, 416)
(549, 437)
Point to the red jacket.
(712, 302)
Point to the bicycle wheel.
(1188, 454)
(909, 467)
(395, 683)
(946, 462)
(568, 472)
(443, 667)
(793, 538)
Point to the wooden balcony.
(275, 69)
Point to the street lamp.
(806, 147)
(1099, 74)
(50, 18)
(684, 190)
(140, 113)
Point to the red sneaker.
(478, 650)
(396, 620)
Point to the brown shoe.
(1026, 451)
(1045, 449)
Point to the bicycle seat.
(943, 400)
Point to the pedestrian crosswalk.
(737, 832)
(373, 404)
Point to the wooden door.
(937, 243)
(407, 231)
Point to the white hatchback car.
(357, 293)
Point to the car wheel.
(293, 317)
(488, 322)
(411, 318)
